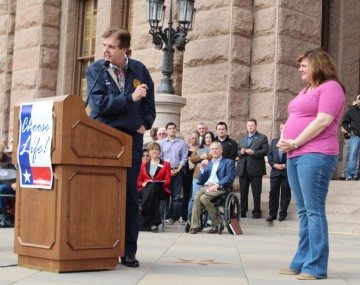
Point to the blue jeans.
(176, 187)
(353, 156)
(309, 176)
(195, 190)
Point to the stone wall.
(216, 66)
(282, 29)
(36, 50)
(7, 23)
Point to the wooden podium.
(80, 223)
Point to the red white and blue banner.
(34, 150)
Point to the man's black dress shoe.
(282, 219)
(270, 219)
(256, 216)
(243, 215)
(130, 261)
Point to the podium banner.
(34, 149)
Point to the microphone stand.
(105, 66)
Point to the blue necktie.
(249, 140)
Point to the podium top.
(78, 139)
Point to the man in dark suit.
(123, 98)
(278, 180)
(252, 148)
(216, 175)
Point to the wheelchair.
(228, 208)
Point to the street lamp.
(167, 38)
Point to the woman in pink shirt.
(310, 139)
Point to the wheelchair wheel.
(232, 210)
(203, 218)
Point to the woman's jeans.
(309, 176)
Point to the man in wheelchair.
(216, 176)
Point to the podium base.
(59, 266)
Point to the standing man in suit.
(253, 147)
(123, 98)
(215, 176)
(278, 180)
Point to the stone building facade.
(240, 62)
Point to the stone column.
(7, 23)
(344, 47)
(282, 30)
(216, 66)
(36, 54)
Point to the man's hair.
(170, 124)
(153, 145)
(322, 68)
(160, 129)
(217, 144)
(221, 124)
(153, 132)
(253, 120)
(123, 36)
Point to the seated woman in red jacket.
(153, 184)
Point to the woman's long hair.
(322, 68)
(203, 141)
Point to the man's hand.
(243, 151)
(249, 151)
(204, 163)
(213, 187)
(140, 92)
(141, 130)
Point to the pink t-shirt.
(328, 98)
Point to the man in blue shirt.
(175, 151)
(123, 98)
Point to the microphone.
(104, 67)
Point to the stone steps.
(342, 208)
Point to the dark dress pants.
(256, 185)
(279, 184)
(132, 198)
(150, 197)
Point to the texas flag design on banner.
(34, 150)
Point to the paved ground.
(174, 257)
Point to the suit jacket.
(162, 173)
(255, 164)
(273, 158)
(117, 109)
(225, 173)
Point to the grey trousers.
(205, 198)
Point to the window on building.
(325, 25)
(86, 43)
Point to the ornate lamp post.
(167, 38)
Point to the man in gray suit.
(252, 148)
